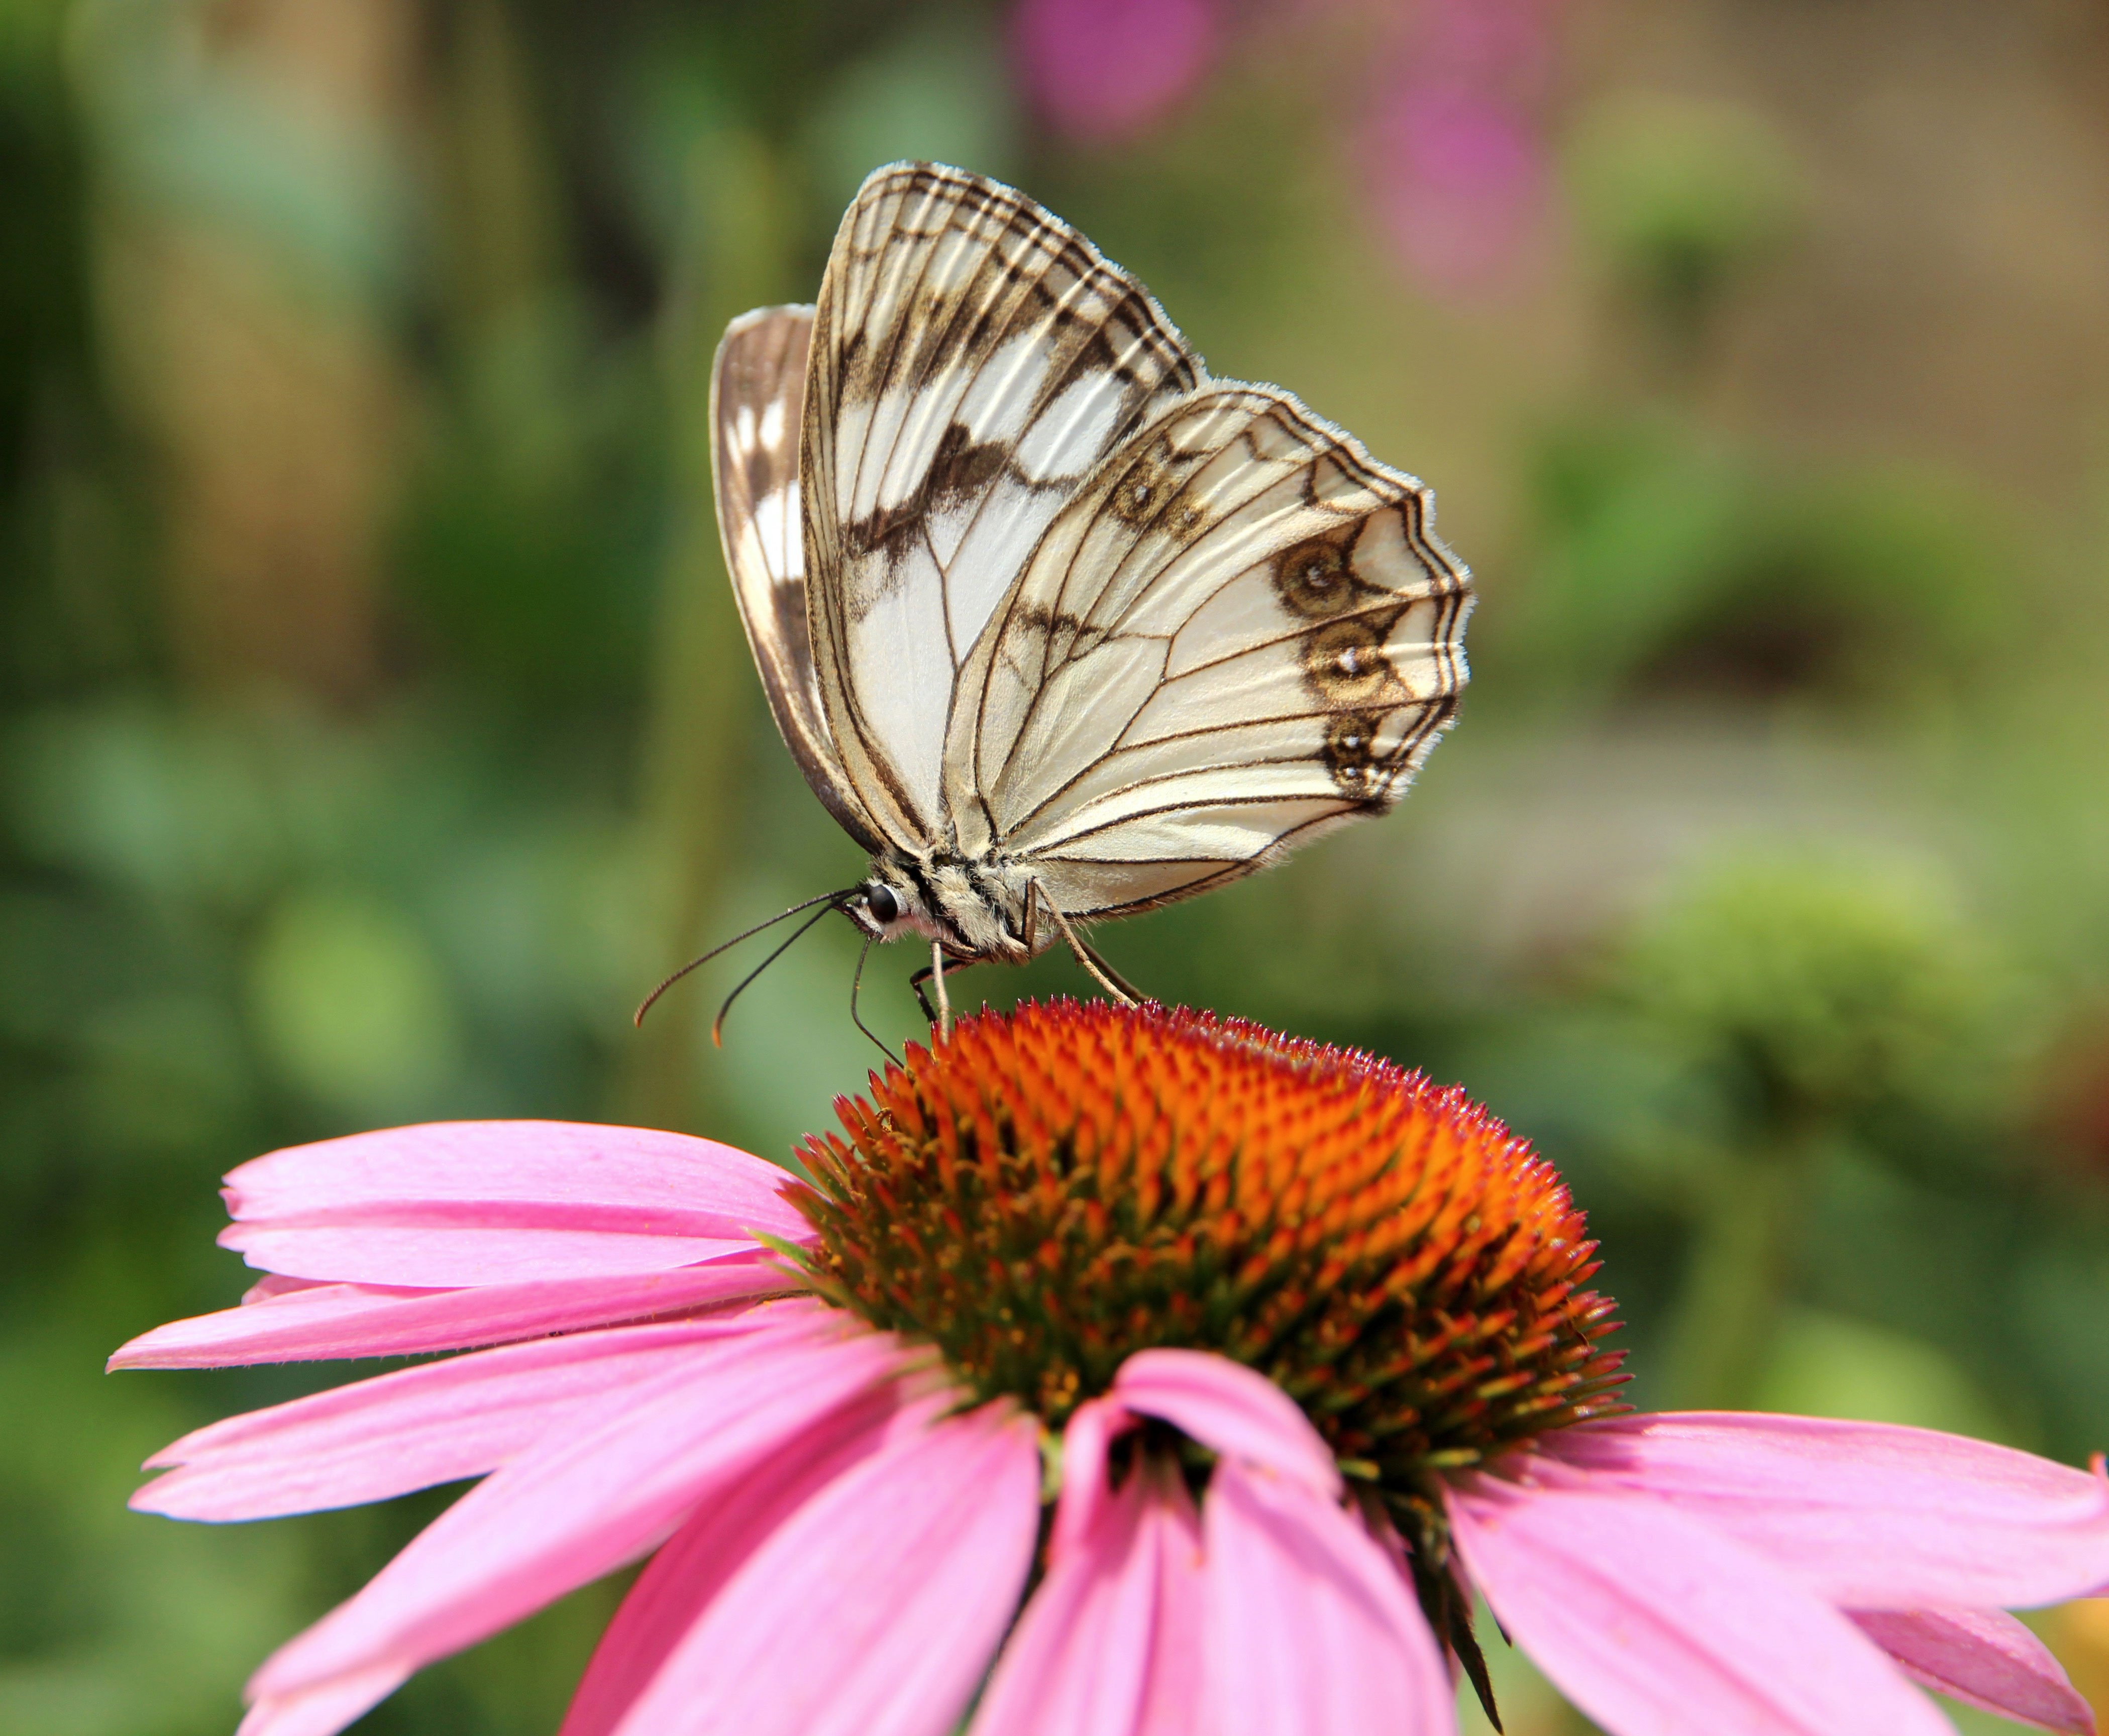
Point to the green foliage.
(1673, 563)
(1825, 989)
(1685, 197)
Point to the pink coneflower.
(1132, 1370)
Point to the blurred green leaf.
(1675, 563)
(1827, 987)
(351, 1003)
(935, 93)
(1684, 194)
(185, 133)
(1822, 1365)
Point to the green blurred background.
(375, 727)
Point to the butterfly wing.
(757, 382)
(1241, 632)
(973, 361)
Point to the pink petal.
(1085, 1487)
(1309, 1627)
(1110, 1645)
(462, 1245)
(1985, 1659)
(874, 1609)
(1650, 1621)
(435, 1423)
(276, 1284)
(321, 1711)
(573, 1508)
(1870, 1515)
(689, 1570)
(1228, 1407)
(333, 1320)
(1170, 1532)
(489, 1202)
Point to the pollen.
(1041, 1195)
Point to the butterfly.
(1058, 626)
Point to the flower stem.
(1723, 1328)
(734, 255)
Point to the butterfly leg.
(1100, 972)
(928, 974)
(938, 982)
(1105, 971)
(1032, 897)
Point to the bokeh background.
(375, 727)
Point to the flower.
(1123, 1370)
(1451, 148)
(1443, 102)
(1104, 71)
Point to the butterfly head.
(890, 903)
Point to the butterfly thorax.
(975, 907)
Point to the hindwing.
(1241, 631)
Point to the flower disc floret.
(1042, 1195)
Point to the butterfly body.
(1057, 626)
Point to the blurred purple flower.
(1457, 181)
(1104, 70)
(1450, 147)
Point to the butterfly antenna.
(717, 1024)
(825, 897)
(856, 982)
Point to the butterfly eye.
(884, 907)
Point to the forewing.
(1241, 632)
(756, 383)
(975, 359)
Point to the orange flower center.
(1040, 1196)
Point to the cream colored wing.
(757, 382)
(1241, 632)
(973, 361)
